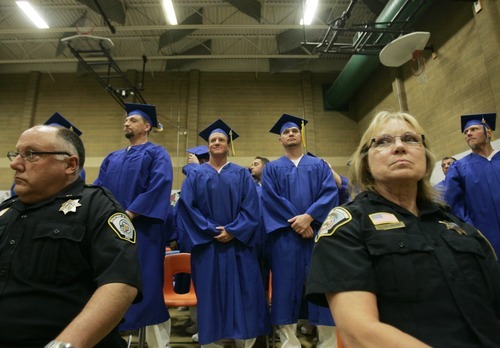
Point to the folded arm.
(102, 314)
(357, 319)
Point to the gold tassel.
(231, 140)
(303, 134)
(159, 128)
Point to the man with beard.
(473, 182)
(140, 177)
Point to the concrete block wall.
(464, 78)
(186, 102)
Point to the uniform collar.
(72, 190)
(425, 208)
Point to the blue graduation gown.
(344, 195)
(261, 249)
(226, 276)
(288, 191)
(473, 193)
(189, 167)
(141, 180)
(440, 188)
(260, 236)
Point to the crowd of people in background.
(379, 255)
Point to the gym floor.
(180, 339)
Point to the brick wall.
(187, 102)
(464, 78)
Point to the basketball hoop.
(419, 62)
(84, 26)
(84, 30)
(404, 48)
(417, 54)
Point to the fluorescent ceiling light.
(309, 12)
(32, 14)
(168, 9)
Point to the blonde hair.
(359, 174)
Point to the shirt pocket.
(470, 258)
(54, 254)
(403, 265)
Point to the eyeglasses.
(29, 155)
(385, 140)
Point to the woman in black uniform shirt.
(396, 268)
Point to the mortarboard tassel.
(303, 134)
(486, 127)
(231, 140)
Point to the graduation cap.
(145, 110)
(488, 120)
(289, 121)
(201, 152)
(220, 126)
(58, 120)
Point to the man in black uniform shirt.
(68, 259)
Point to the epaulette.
(8, 202)
(106, 193)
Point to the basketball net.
(418, 62)
(85, 27)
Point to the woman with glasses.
(396, 268)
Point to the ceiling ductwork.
(396, 15)
(249, 7)
(202, 49)
(172, 36)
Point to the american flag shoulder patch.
(383, 218)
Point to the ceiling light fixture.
(32, 14)
(168, 10)
(310, 10)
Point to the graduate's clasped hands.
(302, 225)
(224, 235)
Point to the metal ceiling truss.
(198, 50)
(110, 10)
(249, 7)
(103, 67)
(171, 36)
(369, 38)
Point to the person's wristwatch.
(57, 344)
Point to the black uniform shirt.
(435, 277)
(53, 256)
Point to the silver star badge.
(453, 226)
(70, 206)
